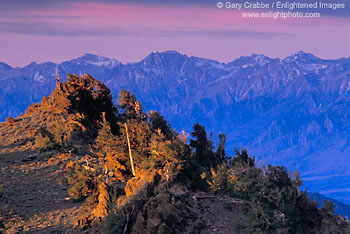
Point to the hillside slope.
(78, 163)
(291, 111)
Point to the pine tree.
(220, 151)
(130, 106)
(242, 158)
(157, 121)
(202, 146)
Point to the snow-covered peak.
(302, 57)
(96, 60)
(250, 61)
(260, 59)
(105, 63)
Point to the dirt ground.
(217, 214)
(35, 200)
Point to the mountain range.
(292, 111)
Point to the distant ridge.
(340, 208)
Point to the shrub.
(115, 223)
(222, 179)
(32, 108)
(81, 180)
(329, 206)
(43, 142)
(10, 121)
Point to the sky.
(55, 31)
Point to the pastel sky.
(50, 30)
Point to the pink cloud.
(103, 14)
(130, 32)
(112, 17)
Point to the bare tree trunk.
(131, 161)
(126, 224)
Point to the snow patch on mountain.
(105, 63)
(39, 78)
(96, 60)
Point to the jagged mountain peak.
(170, 52)
(261, 59)
(166, 55)
(254, 59)
(163, 60)
(172, 55)
(259, 56)
(32, 64)
(96, 60)
(93, 57)
(173, 61)
(300, 52)
(302, 57)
